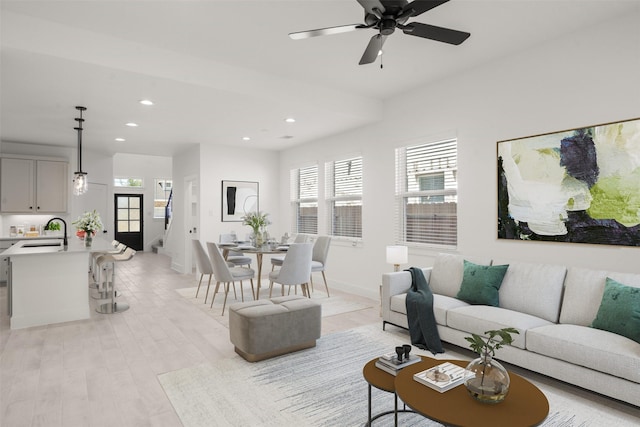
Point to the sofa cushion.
(592, 348)
(478, 319)
(619, 310)
(441, 304)
(447, 273)
(532, 288)
(583, 292)
(480, 283)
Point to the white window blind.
(304, 199)
(427, 193)
(344, 197)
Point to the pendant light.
(80, 183)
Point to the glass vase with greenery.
(487, 380)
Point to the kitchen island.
(48, 283)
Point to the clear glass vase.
(88, 240)
(487, 380)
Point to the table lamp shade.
(397, 255)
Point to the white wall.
(224, 163)
(148, 168)
(583, 79)
(185, 164)
(213, 164)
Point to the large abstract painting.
(578, 186)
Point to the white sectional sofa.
(552, 307)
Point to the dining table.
(266, 249)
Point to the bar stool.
(109, 262)
(95, 271)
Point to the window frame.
(437, 225)
(355, 197)
(156, 181)
(299, 198)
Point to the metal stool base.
(110, 308)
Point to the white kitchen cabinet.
(4, 264)
(33, 186)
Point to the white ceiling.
(220, 70)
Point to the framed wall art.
(238, 199)
(576, 186)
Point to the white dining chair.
(319, 259)
(227, 275)
(277, 260)
(295, 270)
(204, 266)
(235, 257)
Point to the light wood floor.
(103, 371)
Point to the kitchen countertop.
(75, 246)
(2, 238)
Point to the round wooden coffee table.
(525, 405)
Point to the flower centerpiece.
(87, 225)
(258, 221)
(487, 380)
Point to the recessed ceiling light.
(146, 102)
(120, 139)
(290, 120)
(246, 138)
(132, 125)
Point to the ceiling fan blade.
(432, 32)
(325, 31)
(370, 5)
(421, 6)
(371, 52)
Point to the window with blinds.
(427, 193)
(304, 199)
(344, 197)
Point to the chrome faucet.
(65, 242)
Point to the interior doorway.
(192, 220)
(128, 222)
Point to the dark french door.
(129, 220)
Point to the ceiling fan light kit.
(387, 15)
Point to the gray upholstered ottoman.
(267, 328)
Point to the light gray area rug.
(330, 305)
(324, 386)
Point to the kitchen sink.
(40, 245)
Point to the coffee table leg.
(369, 423)
(395, 412)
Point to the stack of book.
(389, 362)
(442, 377)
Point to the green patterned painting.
(579, 186)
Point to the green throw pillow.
(480, 283)
(619, 310)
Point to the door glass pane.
(123, 226)
(123, 202)
(134, 226)
(123, 214)
(134, 203)
(134, 214)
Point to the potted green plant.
(487, 380)
(52, 228)
(257, 221)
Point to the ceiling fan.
(387, 15)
